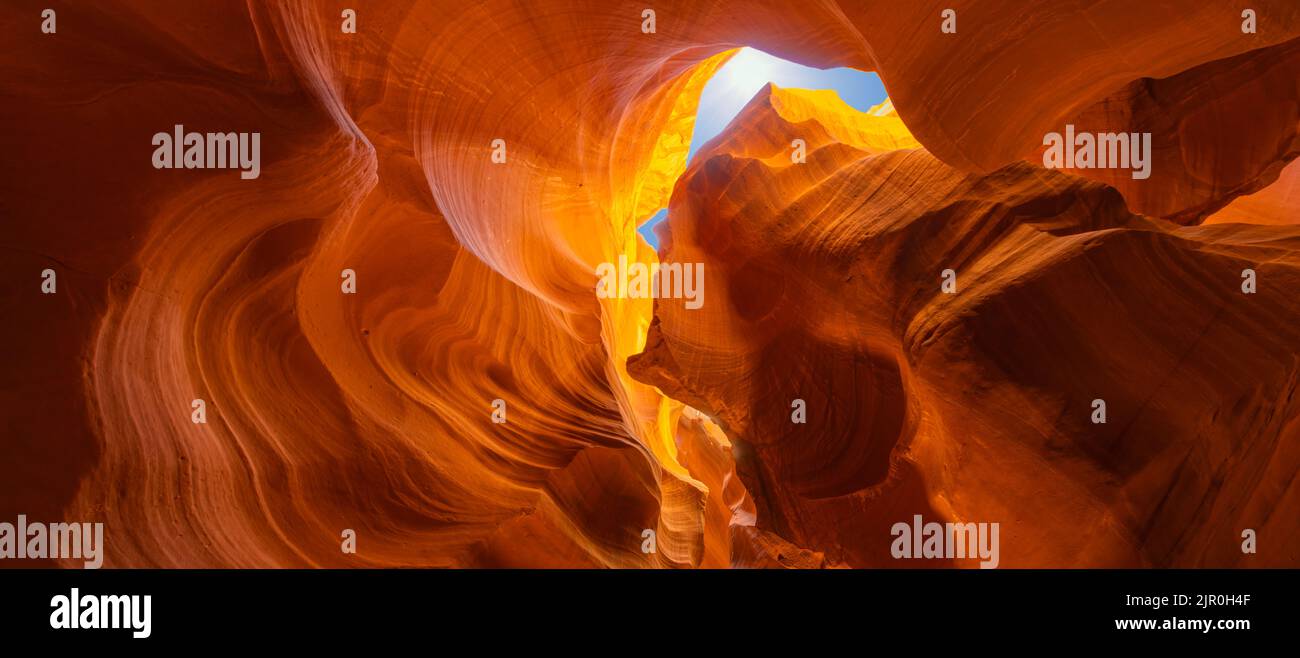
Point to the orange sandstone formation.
(1220, 130)
(472, 164)
(973, 406)
(1275, 204)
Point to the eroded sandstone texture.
(475, 282)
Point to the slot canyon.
(462, 396)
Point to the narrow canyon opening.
(734, 85)
(684, 439)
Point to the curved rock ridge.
(327, 412)
(826, 288)
(1219, 130)
(1275, 204)
(476, 403)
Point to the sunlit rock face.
(826, 289)
(638, 432)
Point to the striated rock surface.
(1219, 130)
(373, 411)
(976, 406)
(1275, 204)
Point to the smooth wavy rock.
(373, 412)
(826, 280)
(1275, 204)
(1219, 130)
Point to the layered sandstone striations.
(976, 406)
(373, 411)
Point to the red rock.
(372, 411)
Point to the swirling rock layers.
(374, 412)
(976, 406)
